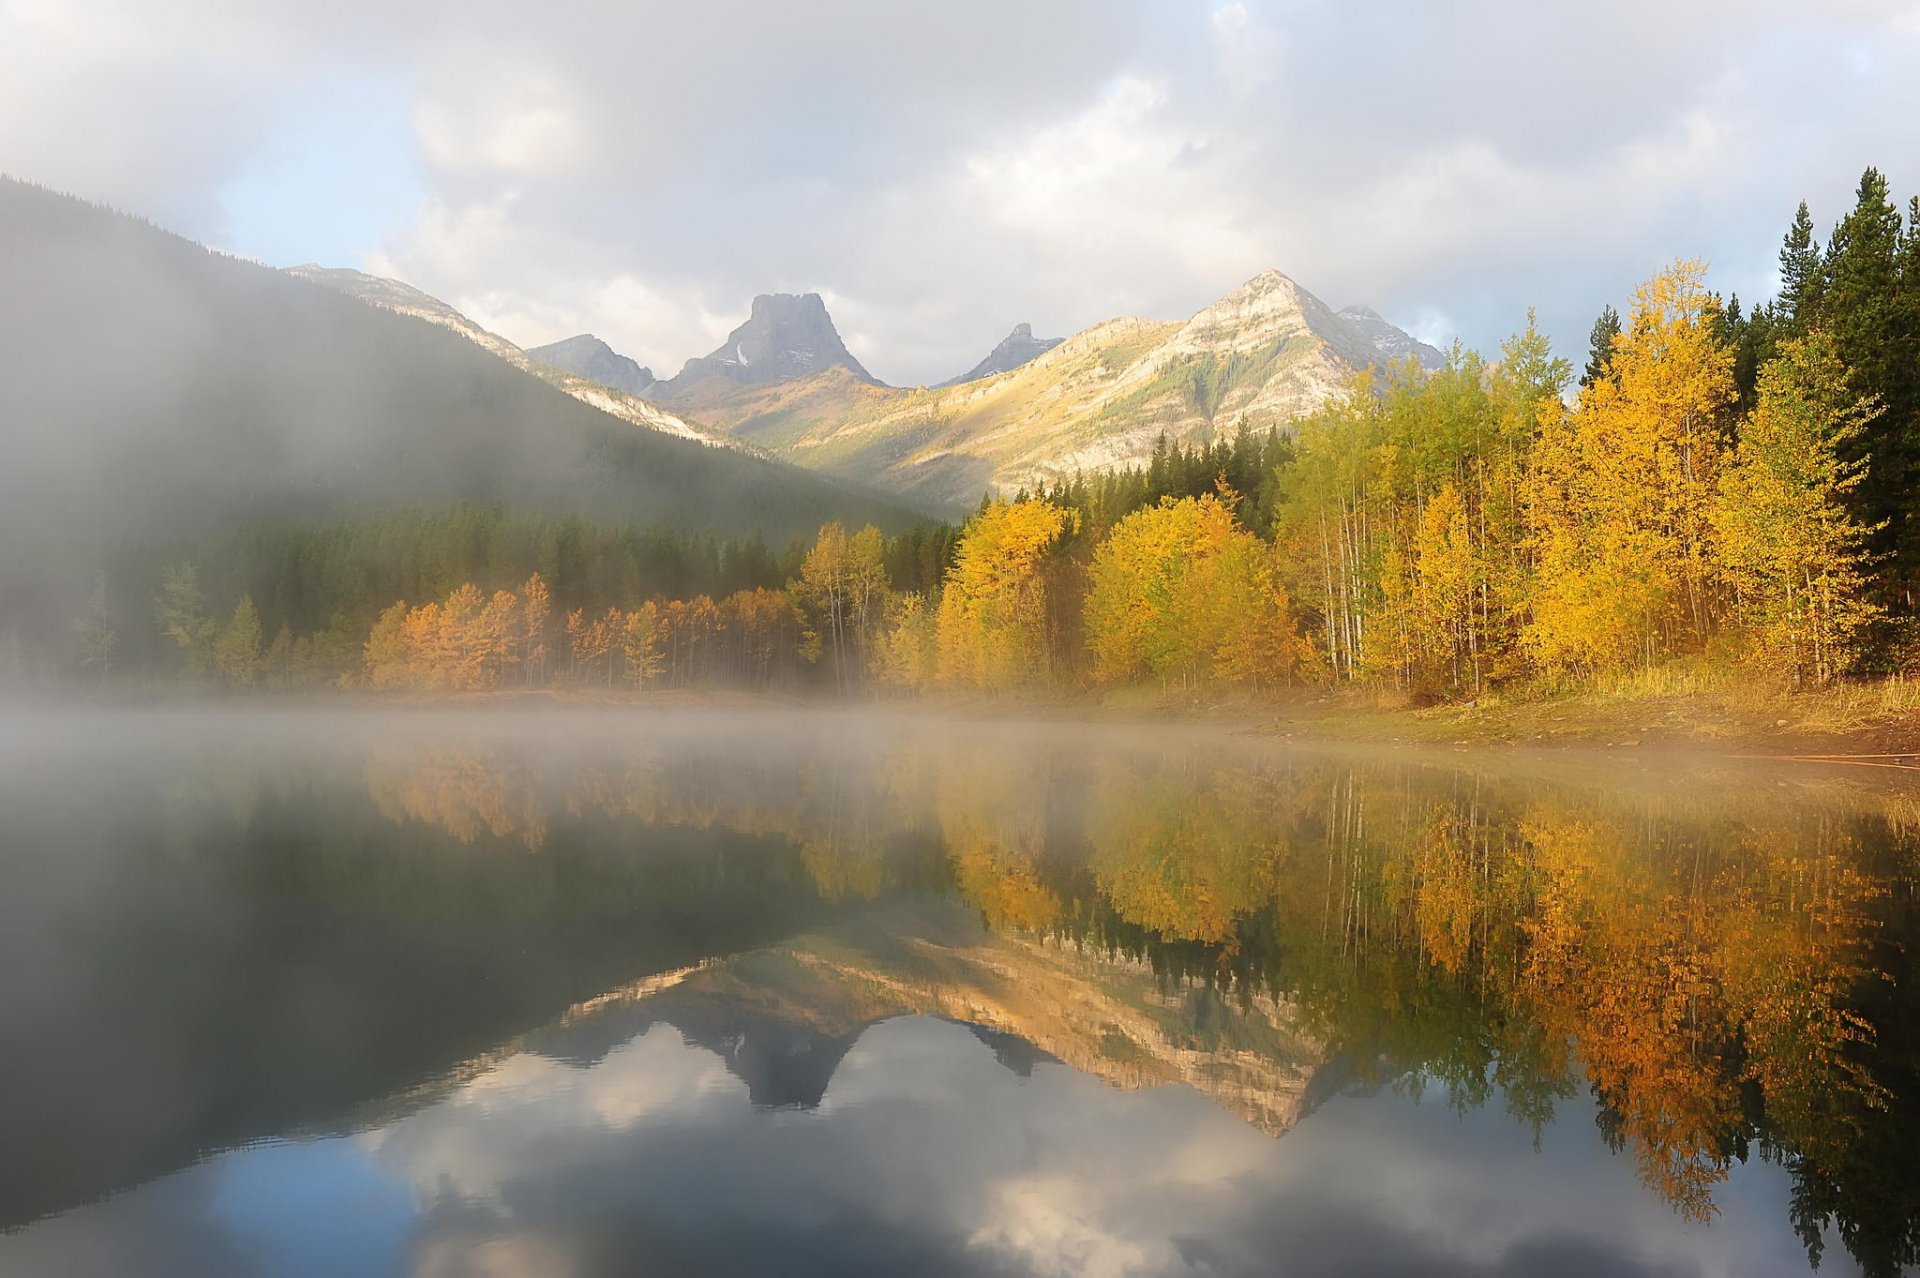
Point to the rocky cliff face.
(1017, 348)
(787, 336)
(589, 357)
(1394, 344)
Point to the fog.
(155, 396)
(482, 950)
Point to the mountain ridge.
(1263, 355)
(585, 355)
(404, 299)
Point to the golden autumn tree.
(1792, 556)
(992, 626)
(237, 653)
(907, 655)
(1182, 592)
(386, 656)
(536, 612)
(843, 586)
(640, 654)
(1622, 491)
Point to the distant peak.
(585, 355)
(1393, 342)
(785, 336)
(1016, 348)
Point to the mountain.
(405, 299)
(589, 357)
(783, 1017)
(786, 336)
(1263, 355)
(1017, 348)
(1395, 344)
(153, 392)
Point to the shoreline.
(1875, 724)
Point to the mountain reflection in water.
(614, 993)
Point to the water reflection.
(898, 996)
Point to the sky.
(940, 172)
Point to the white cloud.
(641, 170)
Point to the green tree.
(1876, 334)
(1792, 555)
(1800, 272)
(181, 612)
(1606, 331)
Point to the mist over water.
(337, 990)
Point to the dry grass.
(1693, 704)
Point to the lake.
(587, 992)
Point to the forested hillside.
(155, 393)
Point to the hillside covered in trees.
(1720, 489)
(153, 393)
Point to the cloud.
(929, 1157)
(943, 172)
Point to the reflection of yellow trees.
(1698, 962)
(992, 812)
(1687, 959)
(460, 792)
(1186, 856)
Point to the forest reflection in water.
(261, 933)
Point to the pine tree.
(1800, 272)
(181, 613)
(1606, 331)
(1876, 334)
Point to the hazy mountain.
(787, 336)
(1265, 354)
(1395, 344)
(1015, 349)
(152, 391)
(589, 357)
(395, 295)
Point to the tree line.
(1720, 486)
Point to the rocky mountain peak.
(1266, 313)
(1015, 349)
(587, 356)
(786, 335)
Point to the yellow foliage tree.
(1622, 491)
(1184, 593)
(992, 627)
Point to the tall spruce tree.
(1872, 321)
(1800, 273)
(1606, 330)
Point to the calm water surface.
(336, 993)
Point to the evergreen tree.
(1873, 326)
(1800, 272)
(1606, 331)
